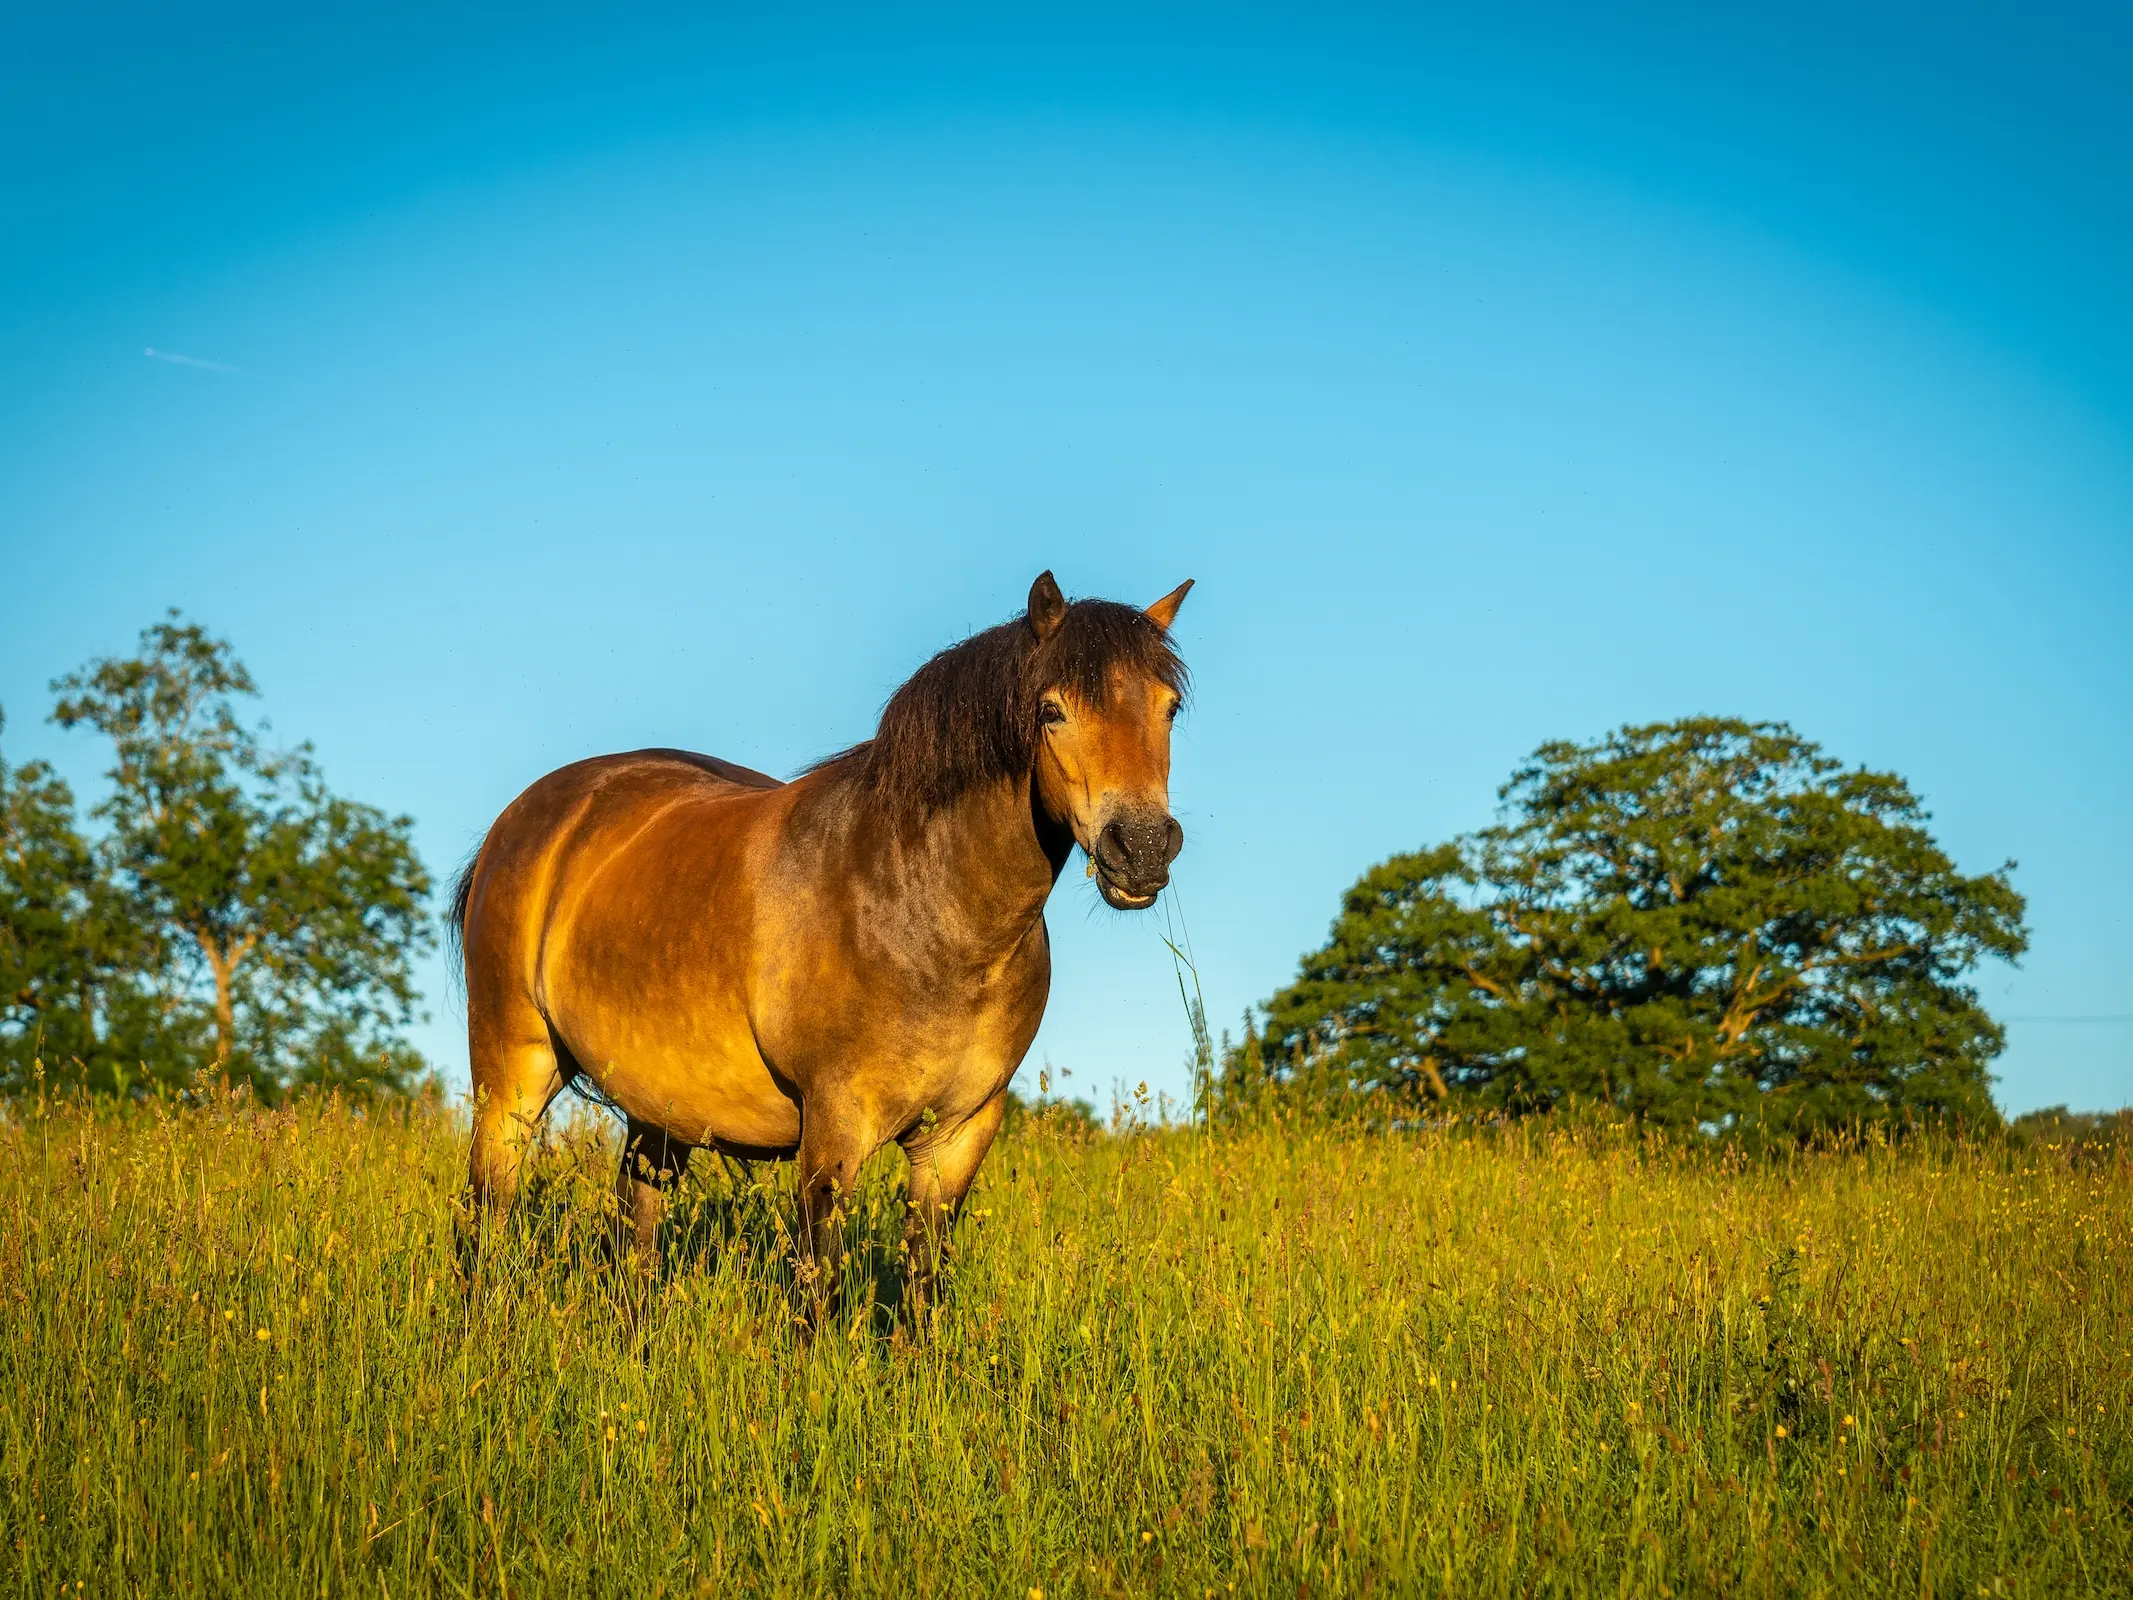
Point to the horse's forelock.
(969, 716)
(1097, 640)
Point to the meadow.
(236, 1359)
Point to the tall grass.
(235, 1358)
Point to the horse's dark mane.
(969, 716)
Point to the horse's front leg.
(944, 1162)
(834, 1143)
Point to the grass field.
(235, 1359)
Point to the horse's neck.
(974, 877)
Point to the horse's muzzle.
(1132, 857)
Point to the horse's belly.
(703, 1095)
(702, 1101)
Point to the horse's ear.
(1165, 611)
(1047, 606)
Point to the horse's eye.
(1051, 711)
(1175, 707)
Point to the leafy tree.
(2091, 1132)
(1705, 924)
(71, 957)
(284, 917)
(50, 966)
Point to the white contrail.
(188, 361)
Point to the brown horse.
(814, 968)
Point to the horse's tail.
(455, 918)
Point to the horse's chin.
(1120, 899)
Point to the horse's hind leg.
(652, 1163)
(516, 1073)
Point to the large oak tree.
(1706, 923)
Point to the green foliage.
(1703, 924)
(236, 1360)
(66, 946)
(232, 906)
(2094, 1133)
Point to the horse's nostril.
(1173, 840)
(1111, 844)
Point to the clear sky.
(563, 382)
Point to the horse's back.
(655, 775)
(730, 771)
(576, 818)
(649, 774)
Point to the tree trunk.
(222, 962)
(225, 1010)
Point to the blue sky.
(586, 382)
